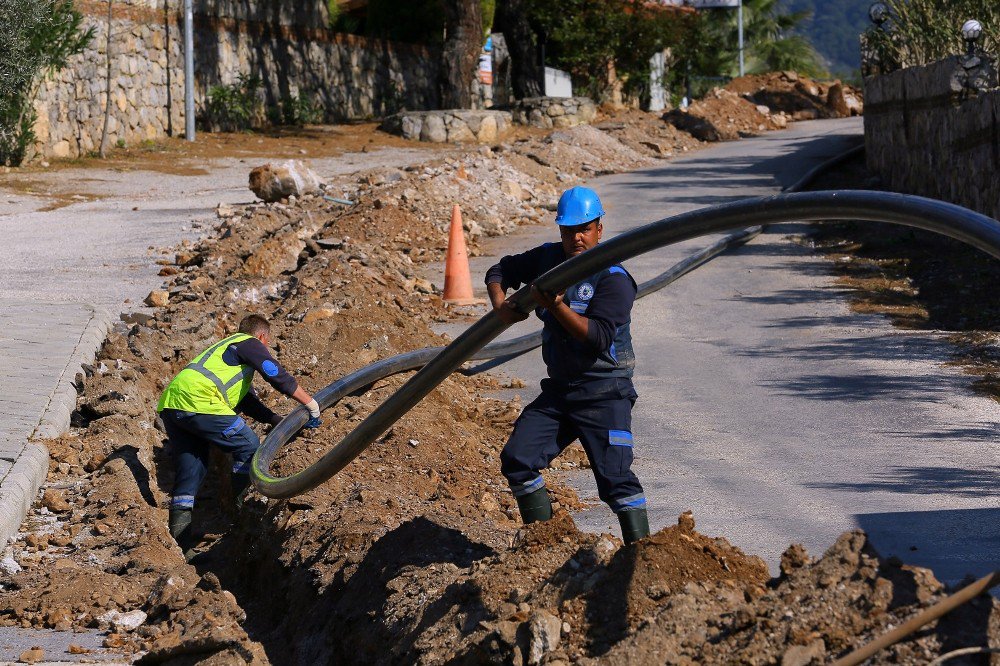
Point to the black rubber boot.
(240, 484)
(180, 530)
(635, 525)
(535, 506)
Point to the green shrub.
(296, 110)
(236, 107)
(924, 31)
(37, 37)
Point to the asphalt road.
(769, 408)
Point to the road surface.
(769, 408)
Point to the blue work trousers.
(599, 414)
(191, 435)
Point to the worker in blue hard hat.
(587, 349)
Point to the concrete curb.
(22, 482)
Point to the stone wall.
(451, 126)
(283, 43)
(549, 112)
(934, 131)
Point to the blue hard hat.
(578, 205)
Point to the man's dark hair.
(254, 325)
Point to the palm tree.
(771, 44)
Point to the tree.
(771, 42)
(526, 74)
(588, 37)
(36, 37)
(710, 48)
(463, 42)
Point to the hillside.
(834, 29)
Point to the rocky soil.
(413, 554)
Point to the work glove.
(314, 420)
(313, 408)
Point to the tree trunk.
(512, 20)
(460, 55)
(107, 91)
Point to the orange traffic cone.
(457, 278)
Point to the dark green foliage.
(924, 31)
(585, 36)
(36, 37)
(297, 110)
(236, 107)
(710, 48)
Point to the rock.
(185, 259)
(434, 130)
(794, 557)
(225, 211)
(511, 189)
(9, 565)
(488, 503)
(78, 649)
(544, 630)
(114, 465)
(37, 540)
(292, 178)
(804, 655)
(275, 256)
(123, 622)
(158, 299)
(317, 314)
(59, 619)
(32, 656)
(330, 242)
(55, 501)
(836, 101)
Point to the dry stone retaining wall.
(285, 44)
(549, 112)
(934, 131)
(451, 126)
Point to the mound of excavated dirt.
(413, 553)
(753, 104)
(723, 115)
(799, 97)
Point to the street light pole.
(188, 70)
(739, 12)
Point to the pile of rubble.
(753, 104)
(799, 97)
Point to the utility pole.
(739, 19)
(189, 70)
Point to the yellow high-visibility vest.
(209, 385)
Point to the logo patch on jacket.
(585, 291)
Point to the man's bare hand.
(545, 300)
(508, 314)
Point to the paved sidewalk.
(41, 348)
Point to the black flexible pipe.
(947, 219)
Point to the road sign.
(703, 4)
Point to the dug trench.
(414, 553)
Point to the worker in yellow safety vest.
(200, 408)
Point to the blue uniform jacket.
(606, 300)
